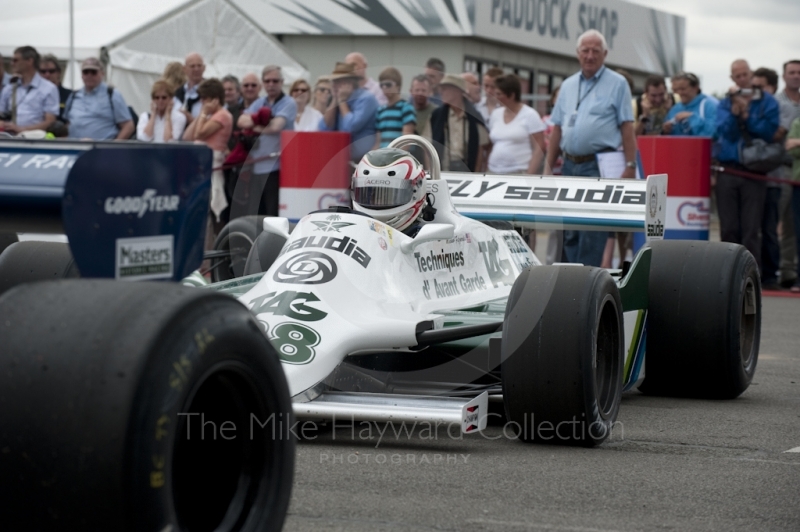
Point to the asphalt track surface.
(671, 464)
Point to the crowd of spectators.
(476, 123)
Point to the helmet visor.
(383, 192)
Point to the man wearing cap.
(97, 111)
(29, 101)
(352, 110)
(456, 129)
(265, 183)
(593, 114)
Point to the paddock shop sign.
(637, 37)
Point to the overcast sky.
(765, 32)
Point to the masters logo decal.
(143, 258)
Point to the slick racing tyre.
(27, 262)
(139, 407)
(235, 241)
(265, 250)
(703, 320)
(562, 355)
(6, 239)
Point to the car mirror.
(277, 226)
(428, 233)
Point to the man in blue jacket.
(740, 200)
(696, 114)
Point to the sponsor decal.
(382, 229)
(471, 418)
(694, 214)
(520, 253)
(290, 304)
(294, 342)
(310, 267)
(439, 261)
(38, 161)
(653, 204)
(454, 287)
(140, 205)
(382, 243)
(460, 239)
(655, 230)
(377, 227)
(344, 245)
(608, 194)
(331, 225)
(499, 270)
(144, 258)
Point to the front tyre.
(140, 407)
(704, 320)
(562, 355)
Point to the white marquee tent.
(137, 38)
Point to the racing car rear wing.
(548, 202)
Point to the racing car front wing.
(343, 407)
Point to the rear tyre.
(138, 406)
(704, 320)
(236, 238)
(27, 262)
(265, 250)
(562, 355)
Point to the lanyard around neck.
(580, 80)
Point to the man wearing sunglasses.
(97, 111)
(251, 87)
(50, 69)
(29, 101)
(265, 183)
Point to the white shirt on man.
(511, 150)
(178, 125)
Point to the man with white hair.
(593, 114)
(265, 181)
(186, 98)
(372, 86)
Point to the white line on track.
(795, 450)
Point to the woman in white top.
(307, 118)
(163, 123)
(516, 131)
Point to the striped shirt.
(390, 119)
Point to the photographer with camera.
(747, 120)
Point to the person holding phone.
(653, 106)
(696, 114)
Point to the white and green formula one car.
(374, 325)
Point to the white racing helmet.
(389, 185)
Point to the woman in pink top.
(213, 127)
(214, 124)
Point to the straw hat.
(455, 81)
(344, 70)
